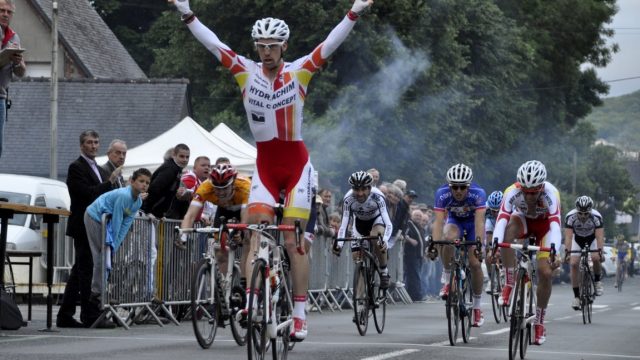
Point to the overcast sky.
(625, 63)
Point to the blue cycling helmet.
(494, 200)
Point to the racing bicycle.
(368, 297)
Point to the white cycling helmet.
(459, 174)
(584, 203)
(532, 174)
(270, 28)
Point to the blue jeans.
(3, 119)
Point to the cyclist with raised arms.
(230, 193)
(530, 207)
(582, 226)
(493, 204)
(366, 206)
(463, 204)
(273, 93)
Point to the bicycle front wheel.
(378, 302)
(517, 316)
(361, 299)
(283, 315)
(257, 340)
(528, 303)
(466, 304)
(495, 290)
(204, 303)
(452, 309)
(586, 297)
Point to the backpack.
(10, 315)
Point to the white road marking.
(636, 308)
(496, 332)
(599, 306)
(6, 340)
(443, 343)
(391, 354)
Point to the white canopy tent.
(229, 139)
(202, 143)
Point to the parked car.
(609, 265)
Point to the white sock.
(299, 303)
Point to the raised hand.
(360, 6)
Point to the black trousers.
(79, 284)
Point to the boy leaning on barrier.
(121, 205)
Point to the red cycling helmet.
(222, 175)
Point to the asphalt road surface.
(415, 331)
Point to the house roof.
(132, 110)
(88, 39)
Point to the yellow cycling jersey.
(241, 188)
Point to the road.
(416, 331)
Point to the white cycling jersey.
(373, 209)
(546, 210)
(584, 232)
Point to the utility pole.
(53, 170)
(575, 170)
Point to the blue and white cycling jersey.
(461, 213)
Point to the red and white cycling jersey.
(274, 111)
(542, 220)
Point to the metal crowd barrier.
(149, 275)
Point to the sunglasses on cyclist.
(584, 213)
(271, 46)
(458, 187)
(533, 190)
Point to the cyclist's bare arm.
(190, 216)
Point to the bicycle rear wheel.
(236, 304)
(465, 306)
(379, 301)
(204, 303)
(496, 290)
(452, 309)
(257, 341)
(517, 315)
(361, 299)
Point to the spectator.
(15, 66)
(85, 181)
(402, 184)
(121, 205)
(335, 220)
(413, 256)
(322, 225)
(375, 174)
(632, 259)
(409, 197)
(116, 155)
(165, 182)
(398, 212)
(189, 182)
(223, 160)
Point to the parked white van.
(25, 231)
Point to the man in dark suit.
(85, 181)
(116, 154)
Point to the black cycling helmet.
(360, 179)
(584, 203)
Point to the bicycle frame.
(269, 256)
